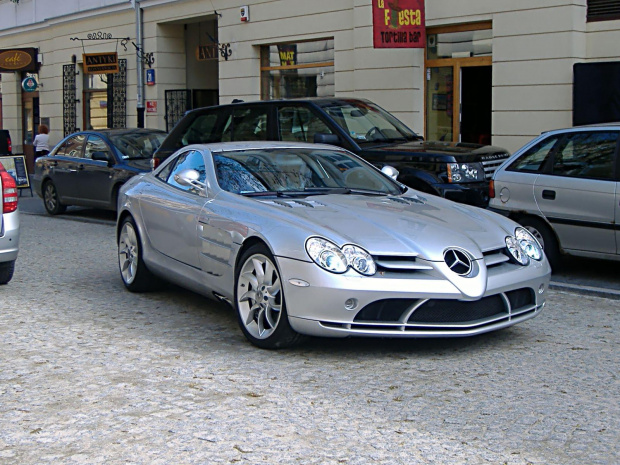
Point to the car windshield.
(134, 145)
(367, 123)
(298, 171)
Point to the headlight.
(516, 251)
(465, 172)
(331, 258)
(529, 244)
(359, 260)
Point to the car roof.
(602, 126)
(234, 146)
(319, 101)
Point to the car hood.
(390, 225)
(459, 150)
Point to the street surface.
(93, 374)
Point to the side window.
(96, 144)
(299, 124)
(247, 124)
(586, 155)
(190, 160)
(533, 161)
(73, 147)
(202, 130)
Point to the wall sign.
(16, 167)
(100, 63)
(30, 84)
(150, 77)
(398, 24)
(19, 59)
(151, 106)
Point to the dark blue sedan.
(89, 167)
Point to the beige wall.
(535, 44)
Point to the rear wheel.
(51, 200)
(135, 274)
(259, 300)
(545, 236)
(6, 271)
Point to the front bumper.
(9, 236)
(388, 305)
(476, 193)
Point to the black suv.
(457, 171)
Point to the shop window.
(602, 10)
(105, 99)
(303, 69)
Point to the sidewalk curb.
(586, 290)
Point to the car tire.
(134, 273)
(51, 201)
(6, 271)
(545, 236)
(260, 303)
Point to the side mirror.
(190, 178)
(390, 171)
(321, 138)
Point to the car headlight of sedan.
(465, 172)
(523, 247)
(332, 258)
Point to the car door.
(95, 176)
(170, 211)
(63, 167)
(578, 195)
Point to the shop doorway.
(476, 91)
(30, 125)
(458, 103)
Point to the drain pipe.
(139, 63)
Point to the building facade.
(492, 71)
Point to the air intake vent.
(601, 10)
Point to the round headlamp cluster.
(332, 258)
(523, 247)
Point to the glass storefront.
(303, 69)
(95, 101)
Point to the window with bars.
(602, 10)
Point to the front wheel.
(136, 276)
(259, 300)
(51, 199)
(6, 271)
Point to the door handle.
(548, 195)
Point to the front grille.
(443, 314)
(490, 166)
(520, 298)
(456, 311)
(405, 263)
(387, 310)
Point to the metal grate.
(178, 101)
(68, 99)
(456, 311)
(117, 95)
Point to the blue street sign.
(150, 77)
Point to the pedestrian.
(41, 142)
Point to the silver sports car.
(308, 239)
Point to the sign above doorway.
(100, 63)
(18, 59)
(398, 24)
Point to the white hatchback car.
(9, 225)
(563, 187)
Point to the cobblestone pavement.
(92, 374)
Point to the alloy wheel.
(128, 253)
(259, 300)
